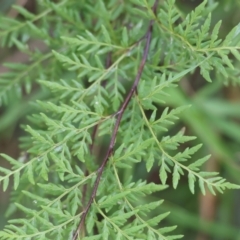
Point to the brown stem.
(117, 124)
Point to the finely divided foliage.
(105, 72)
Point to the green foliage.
(91, 60)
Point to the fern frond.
(176, 162)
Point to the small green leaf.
(154, 221)
(105, 232)
(194, 166)
(44, 171)
(215, 32)
(201, 185)
(211, 188)
(106, 34)
(24, 12)
(153, 116)
(163, 174)
(52, 188)
(90, 221)
(125, 37)
(226, 60)
(176, 176)
(30, 173)
(38, 198)
(5, 183)
(16, 178)
(167, 229)
(150, 161)
(25, 209)
(11, 160)
(95, 237)
(191, 181)
(113, 199)
(236, 53)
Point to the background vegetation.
(214, 118)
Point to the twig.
(116, 126)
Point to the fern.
(105, 75)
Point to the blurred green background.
(214, 118)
